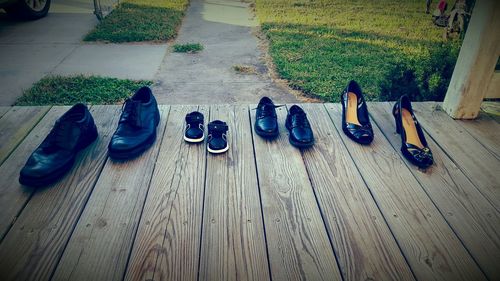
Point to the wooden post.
(476, 62)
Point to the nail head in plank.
(365, 247)
(431, 248)
(298, 243)
(475, 160)
(471, 216)
(233, 245)
(167, 242)
(102, 240)
(13, 196)
(34, 244)
(16, 124)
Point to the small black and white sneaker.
(217, 137)
(194, 127)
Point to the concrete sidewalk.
(224, 28)
(53, 45)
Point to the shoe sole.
(194, 140)
(133, 153)
(267, 135)
(56, 175)
(301, 144)
(49, 179)
(218, 151)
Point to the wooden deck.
(264, 210)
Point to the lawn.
(140, 20)
(390, 47)
(60, 90)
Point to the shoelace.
(267, 109)
(131, 113)
(58, 136)
(300, 120)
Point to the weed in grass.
(188, 48)
(140, 20)
(60, 90)
(245, 69)
(389, 46)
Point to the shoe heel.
(398, 127)
(395, 115)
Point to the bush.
(423, 78)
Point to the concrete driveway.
(30, 50)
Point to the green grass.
(188, 48)
(391, 47)
(59, 90)
(140, 20)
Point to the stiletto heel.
(398, 128)
(395, 111)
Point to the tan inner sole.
(352, 109)
(410, 129)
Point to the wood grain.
(298, 244)
(477, 163)
(16, 124)
(168, 239)
(13, 196)
(233, 245)
(365, 247)
(485, 130)
(431, 248)
(102, 240)
(472, 217)
(33, 246)
(4, 109)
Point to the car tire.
(28, 9)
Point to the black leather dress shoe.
(301, 134)
(355, 119)
(413, 143)
(55, 156)
(217, 137)
(136, 130)
(194, 127)
(266, 120)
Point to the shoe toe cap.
(194, 133)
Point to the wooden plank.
(13, 196)
(4, 109)
(233, 245)
(101, 242)
(477, 163)
(365, 247)
(476, 62)
(167, 242)
(472, 217)
(16, 124)
(492, 109)
(33, 246)
(431, 248)
(493, 91)
(485, 130)
(298, 243)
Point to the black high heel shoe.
(414, 146)
(355, 119)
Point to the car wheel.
(29, 9)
